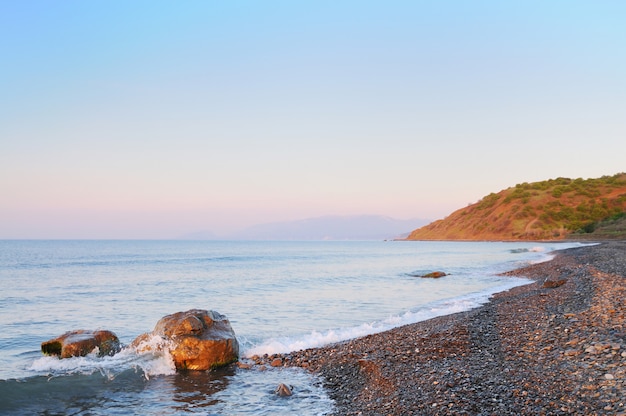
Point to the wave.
(317, 339)
(133, 380)
(126, 262)
(53, 383)
(147, 359)
(63, 395)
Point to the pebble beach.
(553, 347)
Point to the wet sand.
(532, 350)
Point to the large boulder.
(81, 342)
(196, 339)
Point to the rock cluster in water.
(196, 339)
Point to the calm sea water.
(279, 297)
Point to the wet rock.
(244, 366)
(277, 362)
(196, 339)
(283, 390)
(81, 342)
(434, 275)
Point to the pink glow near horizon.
(128, 121)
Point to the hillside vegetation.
(549, 210)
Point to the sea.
(279, 296)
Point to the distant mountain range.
(549, 210)
(554, 209)
(331, 227)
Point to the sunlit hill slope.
(549, 210)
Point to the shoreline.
(530, 350)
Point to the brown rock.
(81, 342)
(196, 339)
(244, 366)
(550, 284)
(435, 275)
(283, 390)
(277, 362)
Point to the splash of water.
(150, 356)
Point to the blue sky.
(152, 119)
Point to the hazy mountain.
(199, 235)
(349, 227)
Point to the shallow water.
(279, 297)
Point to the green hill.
(549, 210)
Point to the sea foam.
(317, 339)
(149, 359)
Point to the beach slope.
(532, 350)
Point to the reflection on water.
(68, 394)
(250, 392)
(196, 389)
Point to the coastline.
(531, 350)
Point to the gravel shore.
(555, 347)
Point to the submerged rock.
(81, 342)
(283, 390)
(434, 275)
(196, 339)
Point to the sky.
(153, 119)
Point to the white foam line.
(150, 358)
(317, 339)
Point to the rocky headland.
(555, 209)
(554, 347)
